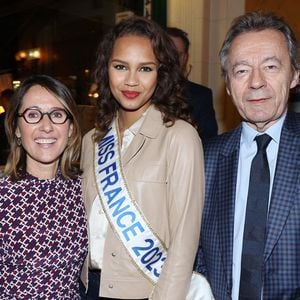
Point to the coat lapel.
(149, 129)
(285, 181)
(226, 191)
(135, 146)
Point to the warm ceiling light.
(21, 55)
(16, 83)
(28, 54)
(34, 54)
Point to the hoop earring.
(19, 141)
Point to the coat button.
(110, 286)
(114, 254)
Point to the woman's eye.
(146, 69)
(57, 114)
(33, 114)
(119, 67)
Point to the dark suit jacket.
(282, 250)
(200, 99)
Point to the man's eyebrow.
(246, 63)
(240, 63)
(272, 58)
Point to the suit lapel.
(135, 146)
(226, 191)
(285, 182)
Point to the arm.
(185, 189)
(199, 265)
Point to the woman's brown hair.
(16, 162)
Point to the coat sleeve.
(85, 162)
(185, 200)
(86, 148)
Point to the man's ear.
(186, 57)
(295, 79)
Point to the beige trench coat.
(164, 171)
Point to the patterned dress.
(43, 238)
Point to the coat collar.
(226, 191)
(149, 129)
(152, 123)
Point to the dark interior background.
(66, 32)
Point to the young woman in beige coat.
(143, 171)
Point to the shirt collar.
(135, 127)
(248, 133)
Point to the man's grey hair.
(258, 21)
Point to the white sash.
(123, 213)
(143, 245)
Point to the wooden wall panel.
(288, 9)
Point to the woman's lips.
(130, 94)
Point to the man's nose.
(257, 79)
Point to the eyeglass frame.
(22, 115)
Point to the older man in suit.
(199, 96)
(249, 247)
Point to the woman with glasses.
(43, 236)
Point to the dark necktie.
(255, 223)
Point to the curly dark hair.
(168, 95)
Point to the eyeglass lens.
(33, 116)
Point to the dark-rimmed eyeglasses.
(34, 116)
